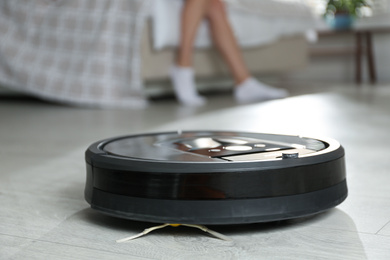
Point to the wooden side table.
(362, 46)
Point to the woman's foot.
(251, 90)
(184, 86)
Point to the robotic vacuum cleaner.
(214, 178)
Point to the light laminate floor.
(43, 214)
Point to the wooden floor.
(43, 214)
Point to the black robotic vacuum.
(214, 178)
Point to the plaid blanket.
(80, 52)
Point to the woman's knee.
(197, 5)
(215, 9)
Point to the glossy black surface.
(219, 212)
(252, 183)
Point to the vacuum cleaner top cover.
(214, 177)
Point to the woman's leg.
(193, 12)
(225, 40)
(248, 89)
(182, 74)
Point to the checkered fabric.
(83, 52)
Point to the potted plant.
(340, 14)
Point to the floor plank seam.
(377, 233)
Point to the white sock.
(251, 90)
(184, 86)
